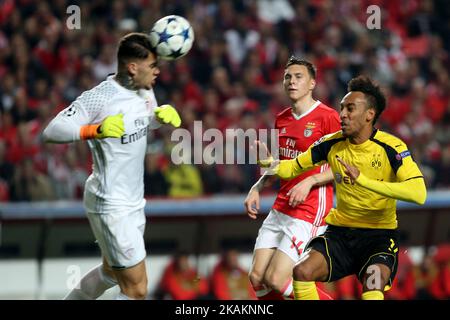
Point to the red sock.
(291, 296)
(287, 291)
(264, 293)
(323, 295)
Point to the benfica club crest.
(308, 133)
(309, 129)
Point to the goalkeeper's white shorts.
(286, 234)
(120, 236)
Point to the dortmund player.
(371, 169)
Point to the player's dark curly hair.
(295, 60)
(134, 46)
(374, 96)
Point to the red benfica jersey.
(296, 134)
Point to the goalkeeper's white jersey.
(117, 180)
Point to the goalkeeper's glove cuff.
(111, 127)
(89, 131)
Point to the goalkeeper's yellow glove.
(111, 127)
(167, 114)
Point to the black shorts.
(351, 250)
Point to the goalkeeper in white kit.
(114, 118)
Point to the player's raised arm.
(315, 155)
(285, 169)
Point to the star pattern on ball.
(185, 34)
(170, 19)
(176, 54)
(163, 36)
(172, 36)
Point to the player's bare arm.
(301, 190)
(252, 201)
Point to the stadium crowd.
(230, 79)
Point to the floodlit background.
(230, 79)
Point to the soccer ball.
(172, 36)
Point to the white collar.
(298, 117)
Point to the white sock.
(261, 290)
(122, 296)
(288, 290)
(92, 285)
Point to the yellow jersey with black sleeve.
(387, 172)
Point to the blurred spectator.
(274, 11)
(438, 273)
(229, 281)
(105, 64)
(6, 167)
(25, 145)
(76, 176)
(241, 38)
(4, 191)
(181, 282)
(155, 183)
(443, 169)
(348, 288)
(404, 286)
(183, 178)
(30, 185)
(432, 275)
(211, 179)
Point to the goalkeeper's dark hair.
(373, 93)
(134, 46)
(309, 66)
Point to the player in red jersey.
(302, 203)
